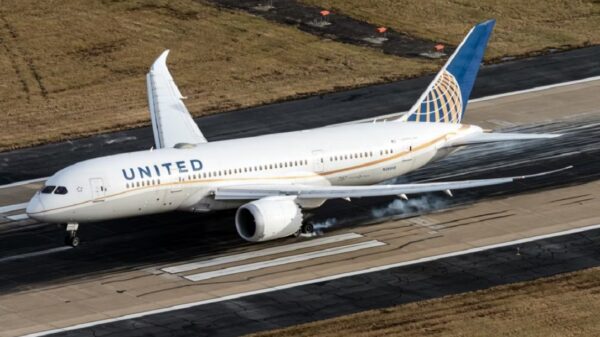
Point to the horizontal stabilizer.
(482, 138)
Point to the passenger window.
(61, 190)
(48, 189)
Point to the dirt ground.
(78, 67)
(522, 26)
(561, 306)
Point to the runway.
(306, 303)
(137, 265)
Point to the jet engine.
(268, 219)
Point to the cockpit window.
(61, 190)
(48, 189)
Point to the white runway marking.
(485, 98)
(284, 260)
(259, 253)
(17, 217)
(543, 87)
(317, 280)
(34, 254)
(24, 182)
(10, 208)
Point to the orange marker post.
(324, 14)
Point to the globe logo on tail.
(442, 103)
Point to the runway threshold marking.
(14, 207)
(316, 280)
(259, 253)
(284, 260)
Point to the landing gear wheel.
(308, 228)
(72, 241)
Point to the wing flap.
(253, 192)
(171, 121)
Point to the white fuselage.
(156, 181)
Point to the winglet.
(172, 124)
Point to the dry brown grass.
(522, 26)
(560, 306)
(73, 68)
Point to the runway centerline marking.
(10, 208)
(284, 260)
(259, 253)
(316, 280)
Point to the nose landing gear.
(71, 238)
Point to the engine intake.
(268, 219)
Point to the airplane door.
(318, 161)
(407, 162)
(97, 187)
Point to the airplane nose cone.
(35, 207)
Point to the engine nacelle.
(268, 219)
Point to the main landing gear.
(71, 238)
(307, 228)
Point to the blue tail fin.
(446, 98)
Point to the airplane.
(273, 180)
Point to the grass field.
(560, 306)
(73, 68)
(522, 26)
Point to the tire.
(74, 241)
(308, 228)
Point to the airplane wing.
(490, 137)
(253, 192)
(171, 121)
